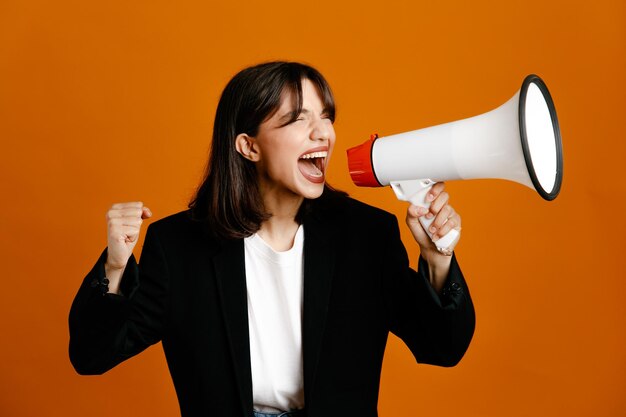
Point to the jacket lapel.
(319, 261)
(318, 272)
(230, 273)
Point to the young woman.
(274, 293)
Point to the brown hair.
(228, 199)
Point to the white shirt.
(274, 284)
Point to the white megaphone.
(519, 141)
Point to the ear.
(247, 147)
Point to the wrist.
(434, 257)
(438, 268)
(114, 277)
(109, 266)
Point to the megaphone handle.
(443, 244)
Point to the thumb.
(416, 211)
(146, 213)
(413, 215)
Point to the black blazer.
(189, 291)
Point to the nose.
(322, 130)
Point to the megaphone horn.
(519, 141)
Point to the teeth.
(315, 155)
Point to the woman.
(273, 293)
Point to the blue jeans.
(295, 413)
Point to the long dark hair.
(228, 199)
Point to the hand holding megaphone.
(432, 217)
(519, 141)
(425, 198)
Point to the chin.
(313, 192)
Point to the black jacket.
(189, 291)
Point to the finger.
(452, 223)
(436, 205)
(435, 191)
(125, 212)
(126, 221)
(444, 214)
(131, 204)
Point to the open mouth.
(312, 165)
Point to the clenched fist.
(123, 226)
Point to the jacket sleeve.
(106, 329)
(437, 328)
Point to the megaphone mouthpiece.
(360, 164)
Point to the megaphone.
(519, 141)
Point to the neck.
(280, 229)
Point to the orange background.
(112, 101)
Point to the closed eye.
(327, 115)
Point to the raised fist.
(123, 226)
